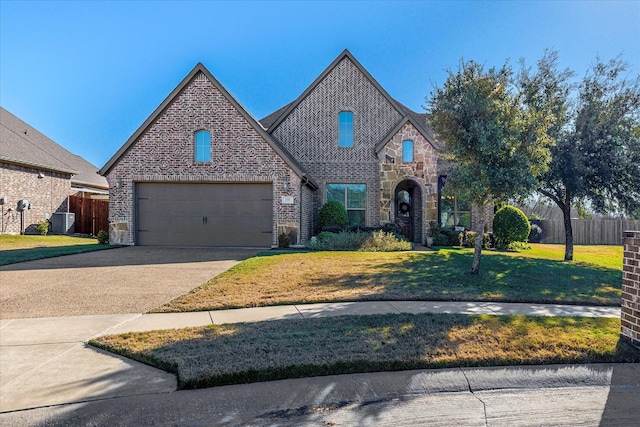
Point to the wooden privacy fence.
(92, 215)
(587, 232)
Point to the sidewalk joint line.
(484, 406)
(394, 307)
(298, 310)
(106, 331)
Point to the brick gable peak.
(284, 112)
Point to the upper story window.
(345, 129)
(203, 146)
(407, 151)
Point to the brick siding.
(46, 195)
(165, 152)
(630, 306)
(310, 134)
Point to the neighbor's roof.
(24, 145)
(273, 120)
(200, 68)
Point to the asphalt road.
(586, 395)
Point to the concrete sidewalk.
(147, 322)
(45, 361)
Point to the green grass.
(20, 248)
(536, 276)
(249, 352)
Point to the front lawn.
(20, 248)
(249, 352)
(537, 276)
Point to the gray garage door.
(204, 214)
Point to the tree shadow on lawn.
(446, 276)
(253, 352)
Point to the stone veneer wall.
(630, 306)
(47, 195)
(165, 152)
(423, 171)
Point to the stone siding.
(165, 152)
(47, 195)
(422, 171)
(630, 306)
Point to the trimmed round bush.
(333, 214)
(510, 225)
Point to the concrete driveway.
(49, 309)
(116, 281)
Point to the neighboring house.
(202, 171)
(36, 169)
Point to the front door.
(404, 213)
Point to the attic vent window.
(203, 146)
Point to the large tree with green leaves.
(497, 147)
(596, 135)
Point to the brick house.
(37, 169)
(202, 171)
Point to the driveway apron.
(44, 359)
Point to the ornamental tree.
(596, 135)
(497, 147)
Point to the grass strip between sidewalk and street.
(21, 248)
(534, 276)
(250, 352)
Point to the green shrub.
(470, 239)
(343, 241)
(510, 225)
(440, 240)
(377, 241)
(283, 240)
(43, 227)
(103, 237)
(333, 214)
(454, 238)
(382, 241)
(535, 235)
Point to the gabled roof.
(200, 68)
(345, 54)
(419, 121)
(24, 145)
(273, 120)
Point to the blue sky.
(87, 74)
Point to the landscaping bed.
(535, 276)
(249, 352)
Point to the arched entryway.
(408, 210)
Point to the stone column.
(631, 287)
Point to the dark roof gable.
(200, 68)
(22, 144)
(273, 120)
(345, 54)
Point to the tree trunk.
(568, 232)
(477, 251)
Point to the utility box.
(63, 223)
